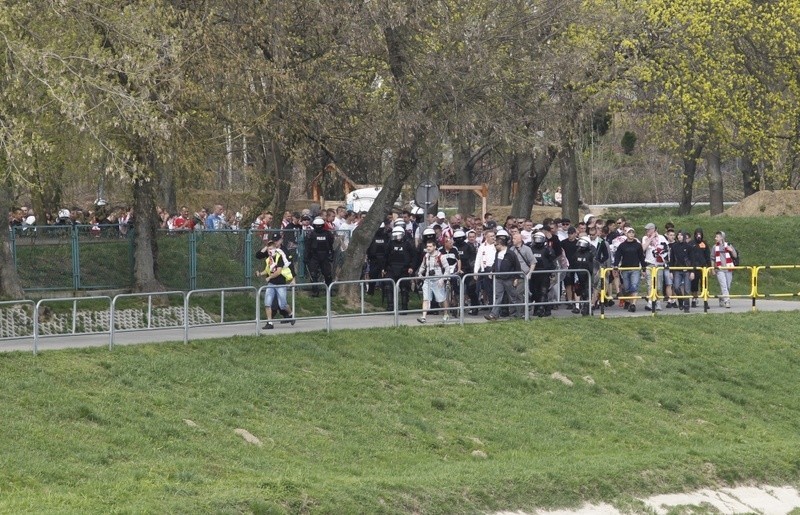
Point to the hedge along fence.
(58, 258)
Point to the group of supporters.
(560, 263)
(100, 218)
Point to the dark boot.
(404, 300)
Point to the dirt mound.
(768, 203)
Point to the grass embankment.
(392, 420)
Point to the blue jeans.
(271, 292)
(630, 282)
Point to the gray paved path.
(350, 322)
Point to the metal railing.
(74, 331)
(148, 315)
(221, 291)
(95, 323)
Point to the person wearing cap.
(505, 284)
(433, 272)
(319, 254)
(277, 274)
(656, 255)
(630, 256)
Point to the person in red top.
(180, 222)
(722, 254)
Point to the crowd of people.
(560, 262)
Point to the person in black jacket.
(376, 259)
(544, 261)
(630, 256)
(399, 264)
(504, 284)
(683, 269)
(319, 254)
(701, 256)
(468, 253)
(584, 259)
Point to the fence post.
(248, 257)
(13, 241)
(129, 235)
(192, 261)
(300, 266)
(76, 259)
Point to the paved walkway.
(340, 322)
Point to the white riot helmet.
(64, 213)
(502, 236)
(584, 243)
(318, 222)
(398, 233)
(539, 238)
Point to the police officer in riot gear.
(399, 264)
(319, 254)
(545, 260)
(376, 258)
(584, 260)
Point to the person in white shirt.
(484, 260)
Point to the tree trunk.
(523, 164)
(167, 194)
(508, 176)
(267, 183)
(465, 171)
(465, 175)
(145, 253)
(533, 174)
(405, 162)
(282, 173)
(568, 162)
(10, 286)
(751, 180)
(692, 151)
(715, 183)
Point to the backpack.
(736, 259)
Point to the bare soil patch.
(768, 203)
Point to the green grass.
(388, 420)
